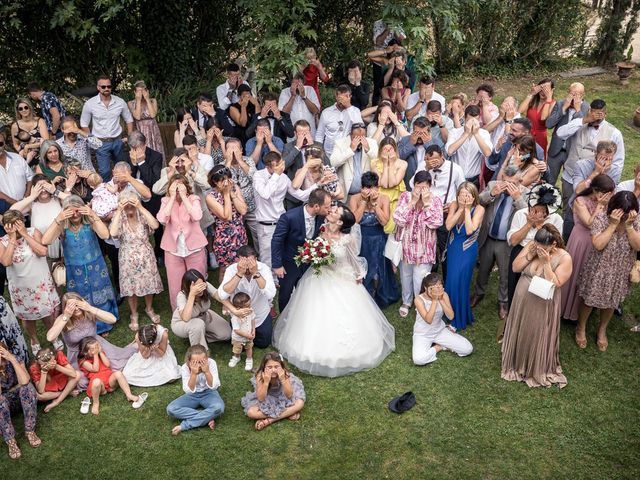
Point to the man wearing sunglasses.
(103, 113)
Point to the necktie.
(497, 219)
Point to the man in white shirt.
(336, 120)
(15, 176)
(300, 102)
(352, 157)
(468, 146)
(582, 136)
(190, 144)
(270, 187)
(417, 102)
(253, 278)
(227, 93)
(103, 113)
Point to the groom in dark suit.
(293, 228)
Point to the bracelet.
(57, 221)
(239, 276)
(548, 102)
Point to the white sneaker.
(58, 344)
(234, 361)
(248, 364)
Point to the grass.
(468, 423)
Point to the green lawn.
(468, 423)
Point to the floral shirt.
(80, 150)
(417, 229)
(47, 102)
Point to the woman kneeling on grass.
(278, 393)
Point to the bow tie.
(595, 127)
(437, 170)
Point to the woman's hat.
(547, 195)
(404, 402)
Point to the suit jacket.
(293, 161)
(557, 119)
(490, 204)
(282, 128)
(149, 175)
(180, 221)
(228, 129)
(407, 152)
(290, 233)
(342, 160)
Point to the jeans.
(109, 151)
(187, 408)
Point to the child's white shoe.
(84, 406)
(234, 361)
(248, 364)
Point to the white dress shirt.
(222, 92)
(299, 110)
(414, 98)
(201, 378)
(469, 156)
(520, 219)
(335, 124)
(260, 297)
(105, 120)
(205, 161)
(440, 180)
(269, 192)
(626, 186)
(14, 177)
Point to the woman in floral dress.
(144, 110)
(226, 203)
(132, 224)
(33, 293)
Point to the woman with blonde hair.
(79, 228)
(144, 110)
(33, 294)
(28, 131)
(80, 320)
(463, 223)
(390, 169)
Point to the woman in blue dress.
(372, 211)
(87, 272)
(463, 222)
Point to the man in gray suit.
(501, 199)
(574, 106)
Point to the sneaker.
(248, 364)
(35, 348)
(58, 344)
(234, 361)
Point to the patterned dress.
(10, 333)
(21, 397)
(87, 272)
(33, 294)
(150, 129)
(604, 280)
(228, 235)
(276, 401)
(138, 269)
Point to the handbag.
(59, 273)
(393, 247)
(634, 274)
(542, 288)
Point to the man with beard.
(413, 147)
(76, 145)
(336, 120)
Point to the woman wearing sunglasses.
(28, 131)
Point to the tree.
(613, 36)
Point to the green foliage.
(620, 21)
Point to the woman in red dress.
(313, 71)
(537, 106)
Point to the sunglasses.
(104, 87)
(340, 126)
(45, 357)
(1, 143)
(23, 108)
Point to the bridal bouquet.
(315, 252)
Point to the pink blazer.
(181, 221)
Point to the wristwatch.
(508, 122)
(256, 276)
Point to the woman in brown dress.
(604, 281)
(531, 341)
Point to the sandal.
(403, 311)
(581, 342)
(133, 322)
(34, 440)
(14, 449)
(295, 417)
(263, 423)
(155, 318)
(602, 344)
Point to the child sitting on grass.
(277, 394)
(201, 403)
(95, 365)
(243, 331)
(53, 377)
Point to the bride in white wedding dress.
(332, 326)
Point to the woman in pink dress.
(144, 111)
(587, 205)
(537, 106)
